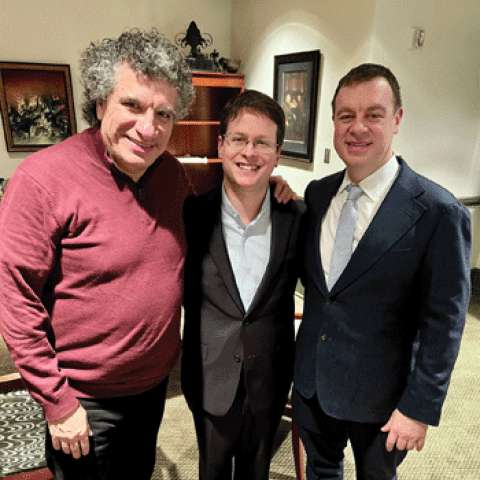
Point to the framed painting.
(37, 105)
(295, 88)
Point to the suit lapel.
(398, 213)
(218, 249)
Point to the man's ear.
(220, 145)
(398, 119)
(277, 157)
(100, 108)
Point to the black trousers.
(238, 444)
(124, 439)
(325, 439)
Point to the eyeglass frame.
(272, 147)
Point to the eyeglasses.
(239, 142)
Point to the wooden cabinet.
(197, 134)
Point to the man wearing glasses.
(240, 277)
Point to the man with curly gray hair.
(91, 270)
(147, 52)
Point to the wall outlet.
(326, 158)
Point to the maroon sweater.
(91, 273)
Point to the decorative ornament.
(194, 39)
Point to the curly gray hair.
(148, 52)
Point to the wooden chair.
(10, 383)
(297, 446)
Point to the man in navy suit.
(240, 275)
(376, 349)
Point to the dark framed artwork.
(296, 89)
(37, 105)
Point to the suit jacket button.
(324, 337)
(238, 359)
(328, 301)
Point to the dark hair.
(148, 52)
(253, 100)
(365, 73)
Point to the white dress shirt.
(375, 188)
(248, 246)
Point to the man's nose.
(146, 126)
(358, 125)
(249, 149)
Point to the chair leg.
(297, 452)
(297, 446)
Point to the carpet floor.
(452, 451)
(21, 433)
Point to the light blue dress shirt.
(248, 247)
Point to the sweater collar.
(102, 154)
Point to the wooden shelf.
(214, 79)
(197, 134)
(198, 122)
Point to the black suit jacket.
(387, 335)
(221, 340)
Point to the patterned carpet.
(21, 433)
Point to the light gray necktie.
(342, 246)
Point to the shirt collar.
(230, 210)
(375, 184)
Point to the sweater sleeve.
(29, 239)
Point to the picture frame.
(295, 88)
(36, 101)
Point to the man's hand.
(71, 433)
(405, 432)
(283, 193)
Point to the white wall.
(440, 133)
(261, 30)
(56, 31)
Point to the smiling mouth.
(359, 144)
(244, 166)
(141, 145)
